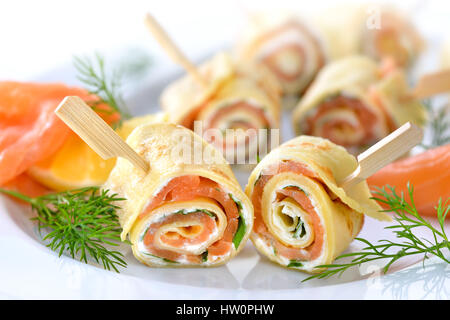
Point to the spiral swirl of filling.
(192, 220)
(302, 218)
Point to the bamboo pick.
(384, 152)
(432, 84)
(172, 50)
(87, 124)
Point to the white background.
(38, 35)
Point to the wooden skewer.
(171, 49)
(384, 152)
(432, 84)
(95, 132)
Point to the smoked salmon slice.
(308, 253)
(187, 188)
(29, 129)
(27, 186)
(427, 172)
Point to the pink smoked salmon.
(186, 188)
(427, 172)
(29, 129)
(313, 250)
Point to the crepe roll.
(188, 210)
(392, 94)
(303, 219)
(288, 45)
(376, 31)
(236, 103)
(355, 102)
(337, 106)
(389, 33)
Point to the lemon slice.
(76, 165)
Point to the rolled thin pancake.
(337, 107)
(303, 219)
(236, 97)
(376, 31)
(188, 210)
(392, 95)
(286, 44)
(354, 103)
(395, 37)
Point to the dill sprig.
(106, 86)
(439, 124)
(407, 219)
(80, 222)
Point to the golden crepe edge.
(331, 163)
(155, 142)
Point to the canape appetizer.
(182, 212)
(288, 45)
(235, 97)
(377, 31)
(354, 103)
(303, 219)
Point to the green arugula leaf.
(205, 256)
(240, 232)
(163, 259)
(295, 264)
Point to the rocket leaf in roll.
(183, 212)
(302, 217)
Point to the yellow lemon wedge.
(76, 165)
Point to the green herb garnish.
(240, 232)
(185, 211)
(295, 264)
(299, 229)
(106, 86)
(439, 124)
(80, 222)
(205, 256)
(238, 203)
(257, 179)
(407, 219)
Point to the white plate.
(28, 269)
